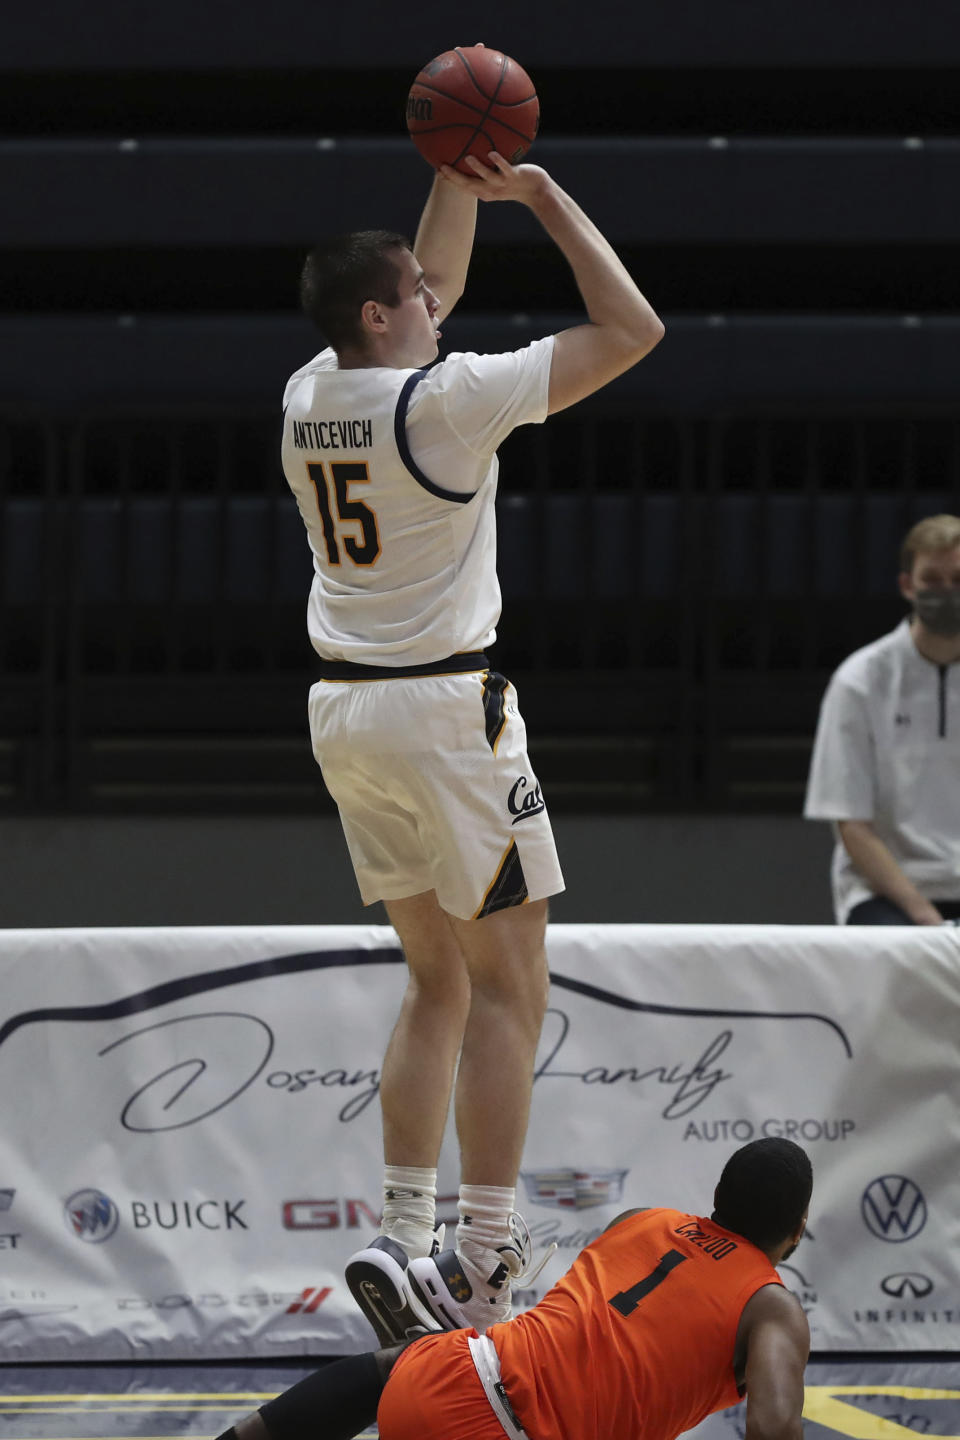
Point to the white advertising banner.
(191, 1144)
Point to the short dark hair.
(764, 1191)
(342, 273)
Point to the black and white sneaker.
(441, 1285)
(378, 1280)
(471, 1288)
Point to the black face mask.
(939, 610)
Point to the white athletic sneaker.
(378, 1280)
(472, 1287)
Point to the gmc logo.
(328, 1215)
(339, 1214)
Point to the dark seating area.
(670, 623)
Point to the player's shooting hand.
(499, 180)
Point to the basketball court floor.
(865, 1398)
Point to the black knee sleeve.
(336, 1402)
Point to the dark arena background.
(685, 557)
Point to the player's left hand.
(499, 180)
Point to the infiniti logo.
(893, 1208)
(917, 1286)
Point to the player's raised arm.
(444, 241)
(776, 1334)
(623, 325)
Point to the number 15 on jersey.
(361, 549)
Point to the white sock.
(410, 1207)
(485, 1212)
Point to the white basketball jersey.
(395, 475)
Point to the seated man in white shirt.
(886, 759)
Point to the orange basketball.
(470, 101)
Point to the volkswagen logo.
(917, 1287)
(893, 1208)
(90, 1215)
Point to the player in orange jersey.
(662, 1320)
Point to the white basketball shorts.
(435, 790)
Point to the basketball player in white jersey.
(393, 465)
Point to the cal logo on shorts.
(522, 802)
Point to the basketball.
(470, 101)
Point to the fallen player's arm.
(776, 1335)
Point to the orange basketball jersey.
(636, 1341)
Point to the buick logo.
(90, 1215)
(917, 1287)
(893, 1209)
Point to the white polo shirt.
(887, 750)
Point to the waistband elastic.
(486, 1362)
(453, 665)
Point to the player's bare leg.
(415, 1089)
(506, 961)
(482, 983)
(421, 1059)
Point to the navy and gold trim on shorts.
(494, 706)
(508, 887)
